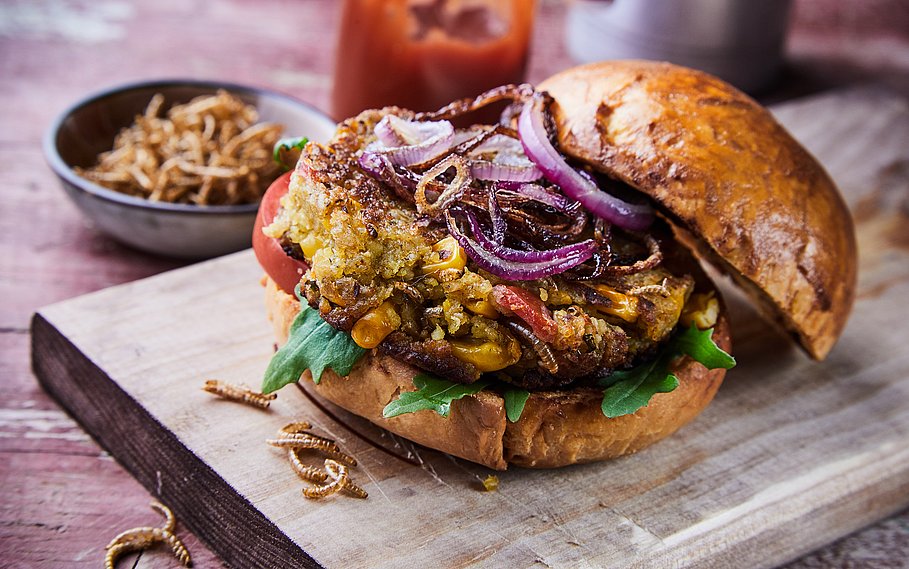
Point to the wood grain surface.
(63, 496)
(792, 454)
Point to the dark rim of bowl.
(65, 171)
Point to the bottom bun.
(557, 428)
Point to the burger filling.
(454, 251)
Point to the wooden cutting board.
(791, 455)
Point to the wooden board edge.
(223, 519)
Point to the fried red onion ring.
(518, 93)
(453, 190)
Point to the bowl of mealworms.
(177, 167)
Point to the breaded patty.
(398, 282)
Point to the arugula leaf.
(699, 345)
(515, 399)
(432, 393)
(630, 390)
(312, 345)
(284, 145)
(627, 391)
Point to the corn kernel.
(447, 254)
(491, 483)
(483, 308)
(486, 356)
(375, 325)
(623, 305)
(310, 245)
(702, 310)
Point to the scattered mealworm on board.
(306, 472)
(340, 481)
(294, 428)
(326, 447)
(334, 469)
(297, 439)
(239, 394)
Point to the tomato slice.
(282, 269)
(527, 307)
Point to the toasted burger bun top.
(723, 169)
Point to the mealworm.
(331, 450)
(180, 551)
(315, 492)
(659, 289)
(303, 437)
(114, 552)
(239, 394)
(294, 428)
(170, 521)
(303, 441)
(350, 487)
(306, 472)
(144, 537)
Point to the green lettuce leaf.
(515, 399)
(628, 391)
(432, 393)
(312, 345)
(284, 145)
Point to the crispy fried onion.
(600, 263)
(453, 189)
(516, 93)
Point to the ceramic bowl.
(185, 231)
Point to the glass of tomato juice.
(423, 54)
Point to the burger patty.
(398, 282)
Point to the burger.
(529, 292)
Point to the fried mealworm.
(302, 440)
(180, 551)
(144, 537)
(294, 428)
(306, 472)
(339, 482)
(170, 522)
(327, 448)
(114, 552)
(303, 437)
(141, 535)
(350, 487)
(239, 394)
(659, 289)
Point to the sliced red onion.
(451, 192)
(380, 167)
(508, 161)
(499, 227)
(411, 142)
(510, 113)
(531, 127)
(513, 264)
